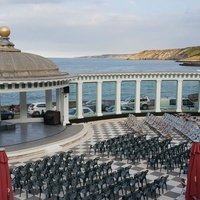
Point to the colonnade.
(62, 98)
(118, 83)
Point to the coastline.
(190, 63)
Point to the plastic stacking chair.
(125, 186)
(115, 191)
(48, 191)
(183, 168)
(146, 192)
(164, 182)
(132, 183)
(153, 187)
(142, 178)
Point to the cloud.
(79, 27)
(9, 2)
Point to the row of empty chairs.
(187, 128)
(169, 123)
(134, 125)
(158, 124)
(66, 176)
(129, 147)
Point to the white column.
(58, 99)
(79, 100)
(99, 99)
(23, 105)
(137, 96)
(59, 102)
(48, 97)
(179, 95)
(65, 109)
(118, 97)
(61, 105)
(158, 95)
(199, 98)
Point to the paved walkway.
(104, 130)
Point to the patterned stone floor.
(104, 130)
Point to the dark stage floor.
(28, 135)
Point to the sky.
(70, 28)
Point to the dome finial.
(5, 44)
(4, 31)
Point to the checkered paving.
(105, 130)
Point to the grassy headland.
(181, 54)
(187, 55)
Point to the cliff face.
(184, 54)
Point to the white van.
(170, 104)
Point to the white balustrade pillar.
(58, 99)
(118, 97)
(61, 105)
(158, 95)
(199, 98)
(65, 109)
(179, 95)
(48, 97)
(99, 99)
(23, 105)
(137, 96)
(79, 100)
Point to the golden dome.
(4, 31)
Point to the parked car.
(37, 109)
(7, 114)
(92, 104)
(123, 108)
(144, 102)
(171, 104)
(86, 110)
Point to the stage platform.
(30, 139)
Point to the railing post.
(99, 99)
(179, 95)
(158, 95)
(79, 100)
(118, 97)
(137, 96)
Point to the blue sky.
(68, 28)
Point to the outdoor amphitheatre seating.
(169, 123)
(73, 177)
(68, 176)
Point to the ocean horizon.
(105, 65)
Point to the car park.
(92, 104)
(86, 111)
(123, 108)
(7, 114)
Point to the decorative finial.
(5, 44)
(4, 31)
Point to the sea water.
(98, 65)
